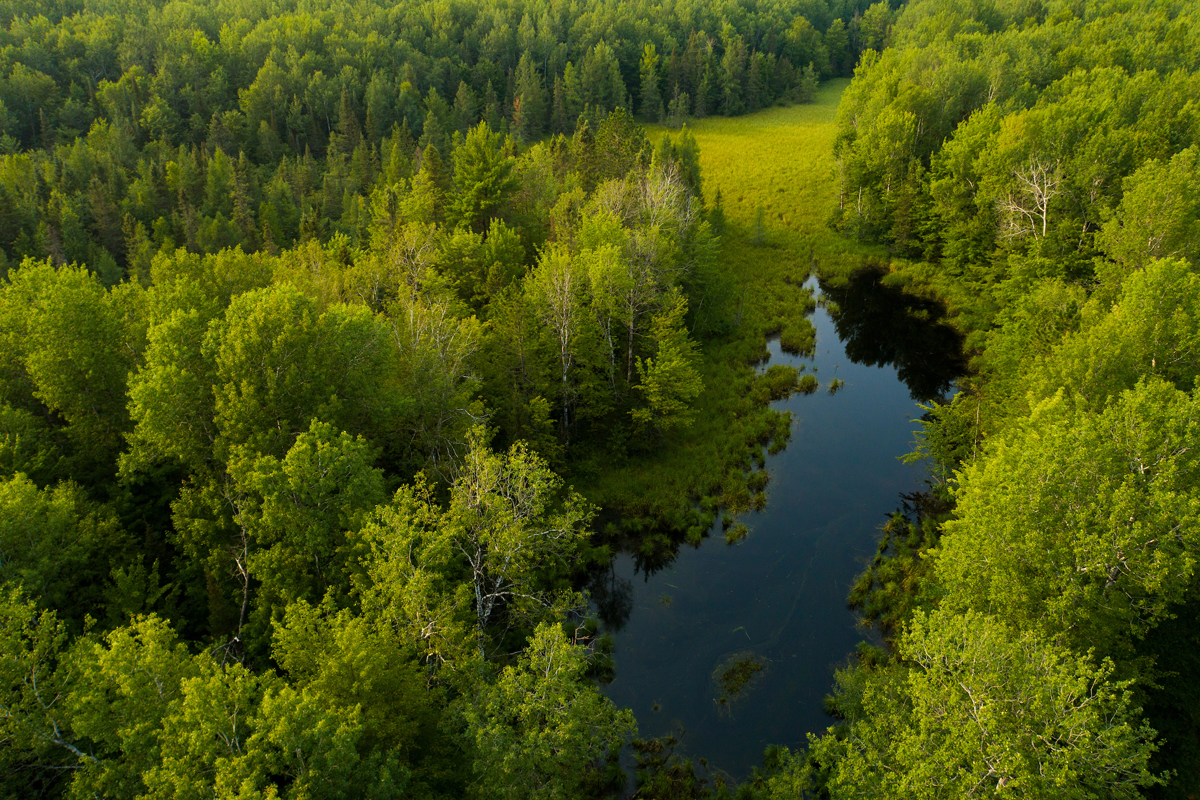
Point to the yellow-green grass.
(782, 160)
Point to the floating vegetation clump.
(733, 676)
(835, 385)
(778, 381)
(736, 534)
(807, 384)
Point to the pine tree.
(465, 108)
(651, 106)
(348, 134)
(558, 116)
(669, 381)
(806, 92)
(529, 101)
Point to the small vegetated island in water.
(338, 344)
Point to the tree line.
(280, 120)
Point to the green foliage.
(779, 381)
(330, 278)
(983, 707)
(278, 362)
(131, 680)
(1151, 332)
(412, 581)
(1101, 560)
(35, 679)
(1028, 145)
(1158, 214)
(232, 730)
(296, 514)
(27, 445)
(483, 179)
(669, 380)
(169, 132)
(361, 665)
(481, 561)
(539, 730)
(900, 579)
(1047, 195)
(68, 345)
(57, 545)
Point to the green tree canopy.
(980, 709)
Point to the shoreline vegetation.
(755, 168)
(1034, 583)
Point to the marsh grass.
(733, 676)
(779, 381)
(775, 166)
(798, 339)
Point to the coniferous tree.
(651, 100)
(529, 101)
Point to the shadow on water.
(881, 325)
(611, 596)
(774, 605)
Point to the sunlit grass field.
(779, 160)
(780, 157)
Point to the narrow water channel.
(780, 595)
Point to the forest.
(311, 318)
(323, 331)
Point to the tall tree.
(651, 99)
(985, 709)
(483, 179)
(541, 729)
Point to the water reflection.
(682, 618)
(611, 596)
(883, 325)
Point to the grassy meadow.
(780, 161)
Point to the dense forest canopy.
(134, 130)
(307, 311)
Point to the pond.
(767, 617)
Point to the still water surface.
(780, 595)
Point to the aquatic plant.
(733, 675)
(735, 678)
(736, 534)
(778, 381)
(798, 337)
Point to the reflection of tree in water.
(880, 324)
(612, 597)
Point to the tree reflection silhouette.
(880, 324)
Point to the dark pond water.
(780, 595)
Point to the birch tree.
(987, 711)
(506, 522)
(557, 286)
